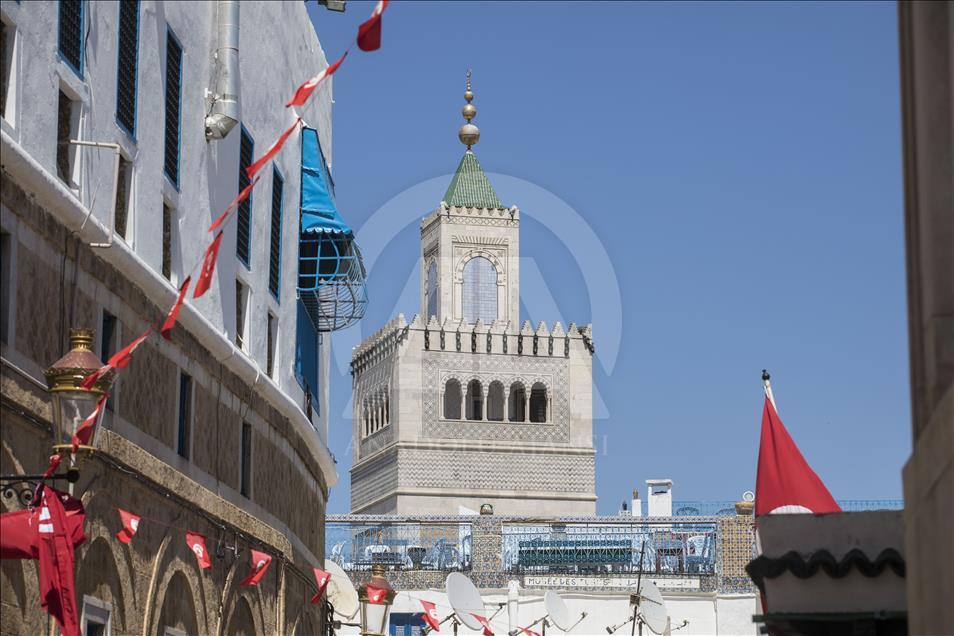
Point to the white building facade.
(126, 130)
(464, 406)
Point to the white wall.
(706, 613)
(278, 50)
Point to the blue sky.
(716, 186)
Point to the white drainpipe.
(225, 100)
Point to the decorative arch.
(517, 402)
(453, 399)
(474, 402)
(237, 603)
(99, 568)
(490, 256)
(538, 402)
(171, 562)
(495, 401)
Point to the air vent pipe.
(225, 111)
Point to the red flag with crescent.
(260, 563)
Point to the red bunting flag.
(241, 197)
(430, 615)
(483, 621)
(196, 543)
(18, 529)
(529, 632)
(305, 90)
(785, 482)
(84, 431)
(260, 563)
(376, 595)
(53, 465)
(272, 151)
(130, 525)
(119, 360)
(208, 267)
(369, 33)
(57, 589)
(322, 578)
(173, 314)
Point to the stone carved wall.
(460, 469)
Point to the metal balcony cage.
(331, 274)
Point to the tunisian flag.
(130, 525)
(369, 33)
(483, 621)
(196, 543)
(785, 482)
(260, 563)
(430, 615)
(322, 578)
(55, 544)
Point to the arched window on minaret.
(479, 297)
(517, 409)
(452, 400)
(475, 400)
(495, 402)
(431, 290)
(538, 403)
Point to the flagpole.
(768, 388)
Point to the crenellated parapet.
(379, 345)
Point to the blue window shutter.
(71, 34)
(243, 247)
(173, 106)
(306, 354)
(127, 71)
(275, 256)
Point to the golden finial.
(469, 133)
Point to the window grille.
(240, 305)
(173, 104)
(270, 344)
(167, 241)
(244, 222)
(275, 257)
(306, 357)
(246, 462)
(71, 33)
(128, 63)
(64, 130)
(121, 215)
(185, 415)
(480, 290)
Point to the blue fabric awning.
(318, 210)
(331, 275)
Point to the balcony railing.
(441, 545)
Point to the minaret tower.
(473, 231)
(464, 405)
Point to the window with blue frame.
(404, 624)
(275, 256)
(127, 69)
(173, 106)
(306, 358)
(71, 33)
(243, 233)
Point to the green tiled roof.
(470, 186)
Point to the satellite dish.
(652, 607)
(341, 593)
(465, 599)
(558, 611)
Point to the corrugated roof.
(470, 186)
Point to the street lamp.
(72, 404)
(376, 596)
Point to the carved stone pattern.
(438, 364)
(369, 484)
(468, 220)
(491, 470)
(376, 441)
